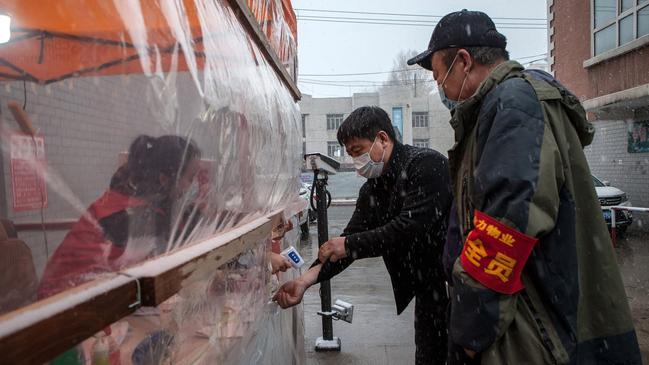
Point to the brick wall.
(571, 39)
(572, 46)
(609, 160)
(86, 123)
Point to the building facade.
(599, 49)
(420, 120)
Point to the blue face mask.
(448, 103)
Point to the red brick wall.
(620, 73)
(572, 47)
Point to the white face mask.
(366, 167)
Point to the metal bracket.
(341, 310)
(331, 314)
(138, 292)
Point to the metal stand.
(327, 342)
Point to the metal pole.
(327, 342)
(323, 236)
(415, 85)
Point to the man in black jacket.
(401, 214)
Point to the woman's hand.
(278, 263)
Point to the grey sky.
(338, 48)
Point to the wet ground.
(378, 336)
(633, 257)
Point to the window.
(643, 21)
(334, 121)
(334, 150)
(618, 22)
(420, 119)
(397, 122)
(423, 143)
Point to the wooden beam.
(38, 332)
(251, 24)
(165, 276)
(41, 331)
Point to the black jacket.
(402, 215)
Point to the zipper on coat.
(545, 338)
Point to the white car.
(610, 196)
(306, 215)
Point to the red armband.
(495, 254)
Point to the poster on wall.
(639, 137)
(28, 187)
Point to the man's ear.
(383, 137)
(465, 57)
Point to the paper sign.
(27, 172)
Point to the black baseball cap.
(461, 29)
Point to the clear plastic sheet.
(278, 21)
(223, 319)
(158, 124)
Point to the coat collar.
(464, 115)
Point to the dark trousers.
(430, 327)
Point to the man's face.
(358, 146)
(451, 79)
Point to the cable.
(408, 24)
(377, 82)
(413, 68)
(367, 85)
(313, 187)
(428, 22)
(532, 61)
(399, 14)
(40, 185)
(362, 73)
(536, 55)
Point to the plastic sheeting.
(278, 21)
(158, 124)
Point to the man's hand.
(332, 250)
(470, 353)
(278, 263)
(290, 293)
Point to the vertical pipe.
(323, 236)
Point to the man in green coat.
(533, 274)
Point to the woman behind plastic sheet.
(134, 219)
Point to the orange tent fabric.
(289, 17)
(54, 40)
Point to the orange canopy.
(54, 40)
